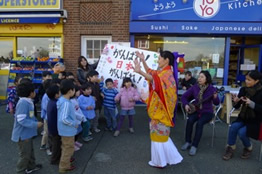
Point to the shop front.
(31, 34)
(221, 36)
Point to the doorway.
(6, 54)
(245, 55)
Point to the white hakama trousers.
(164, 153)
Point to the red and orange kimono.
(161, 103)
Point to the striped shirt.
(109, 97)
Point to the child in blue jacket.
(66, 124)
(25, 128)
(87, 106)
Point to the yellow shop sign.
(29, 4)
(31, 28)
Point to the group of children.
(67, 110)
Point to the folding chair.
(212, 122)
(217, 109)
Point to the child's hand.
(11, 111)
(131, 100)
(89, 108)
(39, 124)
(102, 79)
(102, 95)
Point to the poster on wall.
(116, 62)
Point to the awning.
(32, 17)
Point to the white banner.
(116, 62)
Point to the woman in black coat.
(83, 69)
(249, 119)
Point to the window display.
(6, 52)
(200, 53)
(39, 47)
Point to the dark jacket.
(188, 83)
(82, 73)
(253, 125)
(51, 112)
(96, 92)
(207, 106)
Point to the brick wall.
(93, 17)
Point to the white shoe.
(76, 148)
(42, 133)
(48, 152)
(131, 130)
(116, 133)
(97, 130)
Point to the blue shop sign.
(31, 20)
(196, 27)
(197, 10)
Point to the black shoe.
(37, 167)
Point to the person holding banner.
(83, 69)
(161, 105)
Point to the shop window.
(143, 44)
(200, 53)
(6, 52)
(92, 46)
(236, 40)
(253, 40)
(39, 47)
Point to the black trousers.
(56, 149)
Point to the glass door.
(234, 60)
(6, 51)
(6, 54)
(243, 58)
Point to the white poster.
(247, 67)
(215, 58)
(220, 72)
(116, 62)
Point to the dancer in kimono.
(161, 105)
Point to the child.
(79, 116)
(87, 106)
(66, 124)
(109, 94)
(53, 94)
(44, 143)
(127, 96)
(25, 128)
(62, 75)
(12, 97)
(45, 76)
(93, 80)
(70, 75)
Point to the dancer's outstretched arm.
(142, 59)
(138, 70)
